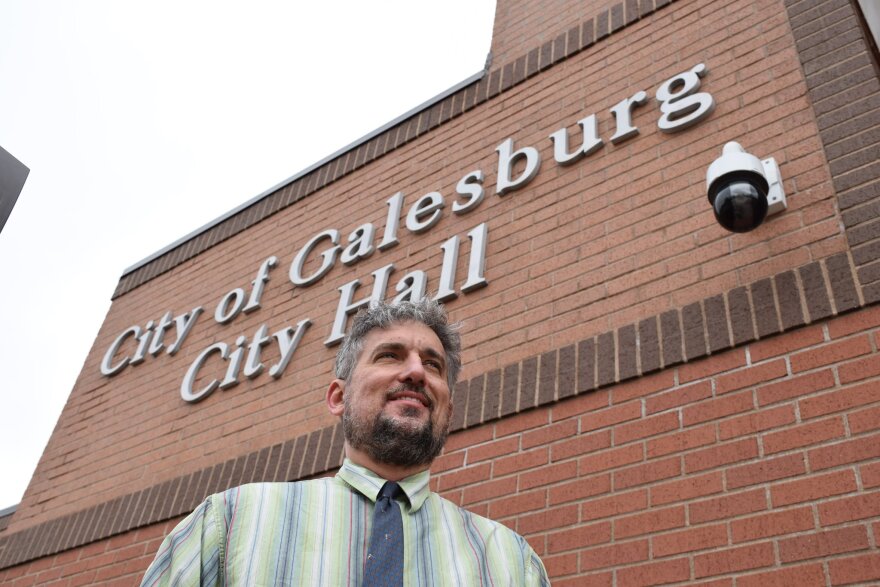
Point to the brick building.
(647, 397)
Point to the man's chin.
(396, 438)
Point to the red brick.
(687, 488)
(93, 549)
(724, 362)
(105, 573)
(722, 454)
(466, 476)
(468, 438)
(580, 489)
(611, 459)
(129, 537)
(489, 490)
(645, 427)
(154, 531)
(759, 421)
(580, 537)
(610, 416)
(47, 576)
(841, 453)
(835, 352)
(742, 558)
(647, 473)
(454, 496)
(772, 524)
(518, 462)
(795, 387)
(133, 551)
(547, 475)
(603, 579)
(864, 420)
(575, 406)
(35, 566)
(549, 434)
(520, 422)
(657, 573)
(564, 564)
(848, 509)
(681, 441)
(90, 577)
(823, 544)
(813, 488)
(765, 470)
(854, 569)
(751, 376)
(798, 575)
(680, 396)
(517, 504)
(642, 386)
(804, 435)
(623, 553)
(447, 462)
(652, 521)
(727, 506)
(782, 345)
(717, 408)
(870, 475)
(859, 369)
(690, 540)
(72, 555)
(614, 505)
(860, 321)
(581, 444)
(490, 450)
(838, 400)
(551, 518)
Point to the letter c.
(106, 368)
(186, 388)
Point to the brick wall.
(644, 394)
(758, 464)
(118, 561)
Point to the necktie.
(385, 556)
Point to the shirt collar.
(368, 483)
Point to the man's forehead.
(406, 333)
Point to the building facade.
(646, 397)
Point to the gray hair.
(383, 315)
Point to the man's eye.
(386, 355)
(434, 365)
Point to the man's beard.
(391, 442)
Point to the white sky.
(142, 121)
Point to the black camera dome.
(739, 200)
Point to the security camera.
(743, 189)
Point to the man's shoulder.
(486, 525)
(251, 493)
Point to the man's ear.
(335, 402)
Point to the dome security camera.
(743, 189)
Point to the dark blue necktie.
(385, 556)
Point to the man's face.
(397, 404)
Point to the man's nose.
(413, 369)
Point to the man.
(376, 522)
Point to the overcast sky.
(142, 121)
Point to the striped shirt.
(316, 533)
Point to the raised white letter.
(506, 158)
(329, 258)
